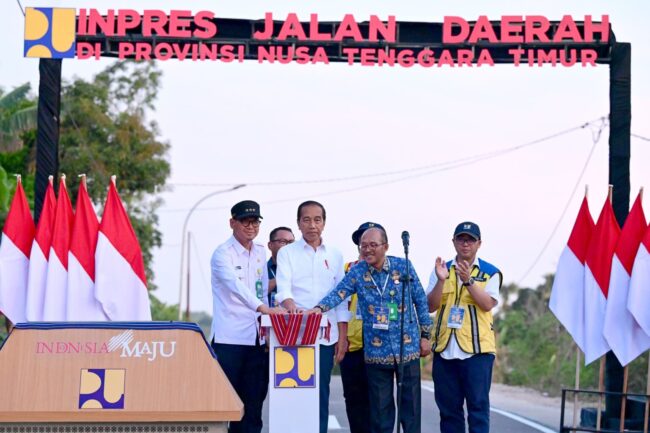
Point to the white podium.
(293, 381)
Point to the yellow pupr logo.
(50, 33)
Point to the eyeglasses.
(249, 222)
(468, 241)
(283, 241)
(371, 246)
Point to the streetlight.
(187, 218)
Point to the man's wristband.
(425, 334)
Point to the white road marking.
(522, 420)
(333, 423)
(510, 415)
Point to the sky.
(250, 123)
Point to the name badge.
(456, 317)
(380, 318)
(259, 290)
(392, 311)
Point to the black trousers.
(247, 369)
(382, 403)
(355, 391)
(463, 381)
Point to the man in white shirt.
(239, 287)
(463, 293)
(307, 271)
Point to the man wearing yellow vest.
(463, 293)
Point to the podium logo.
(50, 33)
(102, 388)
(295, 367)
(141, 349)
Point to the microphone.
(406, 240)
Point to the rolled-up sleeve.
(226, 279)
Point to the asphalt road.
(500, 421)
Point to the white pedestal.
(293, 384)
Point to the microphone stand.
(400, 365)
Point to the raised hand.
(463, 270)
(441, 269)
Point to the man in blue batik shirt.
(378, 281)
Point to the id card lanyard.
(381, 293)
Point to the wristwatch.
(425, 334)
(469, 282)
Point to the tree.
(17, 115)
(104, 131)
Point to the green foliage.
(17, 115)
(161, 311)
(3, 329)
(534, 350)
(104, 131)
(204, 320)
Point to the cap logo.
(467, 226)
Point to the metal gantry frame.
(414, 36)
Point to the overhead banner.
(532, 40)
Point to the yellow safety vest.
(476, 335)
(355, 326)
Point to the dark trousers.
(247, 369)
(382, 404)
(326, 362)
(355, 391)
(457, 381)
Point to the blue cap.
(356, 236)
(468, 228)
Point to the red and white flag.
(638, 300)
(567, 295)
(39, 256)
(597, 274)
(17, 238)
(623, 334)
(120, 282)
(56, 287)
(81, 302)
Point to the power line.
(595, 138)
(420, 171)
(640, 137)
(21, 7)
(468, 159)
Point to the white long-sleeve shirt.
(235, 272)
(306, 276)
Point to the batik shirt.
(379, 288)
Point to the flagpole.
(621, 424)
(9, 326)
(577, 387)
(577, 379)
(647, 399)
(601, 389)
(189, 269)
(601, 373)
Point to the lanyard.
(381, 294)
